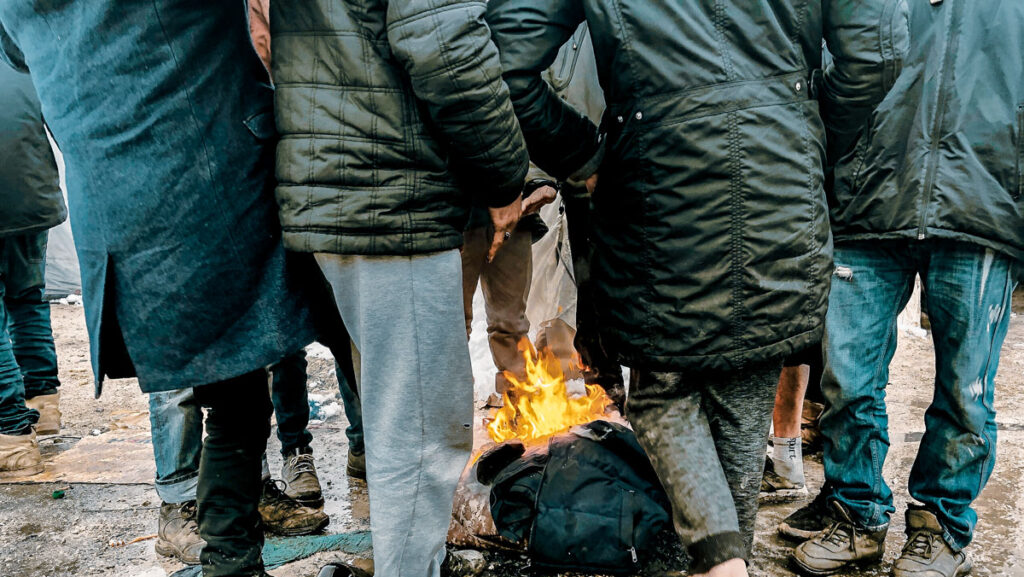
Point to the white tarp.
(63, 277)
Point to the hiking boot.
(777, 489)
(178, 533)
(19, 455)
(49, 413)
(842, 544)
(285, 516)
(299, 475)
(810, 427)
(356, 465)
(926, 553)
(807, 521)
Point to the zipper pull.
(632, 551)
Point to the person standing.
(394, 121)
(164, 114)
(929, 182)
(712, 251)
(32, 204)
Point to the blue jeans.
(177, 430)
(28, 358)
(968, 292)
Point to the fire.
(542, 406)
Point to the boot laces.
(921, 545)
(189, 512)
(303, 464)
(842, 535)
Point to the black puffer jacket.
(938, 151)
(393, 118)
(30, 197)
(713, 247)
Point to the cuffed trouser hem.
(715, 550)
(178, 491)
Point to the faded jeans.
(405, 317)
(28, 358)
(969, 290)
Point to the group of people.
(756, 179)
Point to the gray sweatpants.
(405, 317)
(706, 435)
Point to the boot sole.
(26, 472)
(356, 473)
(299, 531)
(811, 572)
(314, 503)
(165, 549)
(783, 496)
(48, 431)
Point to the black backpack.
(589, 501)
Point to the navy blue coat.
(164, 114)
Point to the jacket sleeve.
(857, 34)
(561, 140)
(446, 49)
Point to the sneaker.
(777, 489)
(926, 553)
(839, 546)
(49, 413)
(299, 476)
(19, 455)
(356, 465)
(178, 533)
(807, 521)
(283, 515)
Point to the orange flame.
(542, 406)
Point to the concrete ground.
(45, 537)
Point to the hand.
(505, 220)
(591, 183)
(538, 198)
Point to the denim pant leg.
(177, 429)
(15, 417)
(969, 292)
(291, 402)
(872, 283)
(30, 331)
(350, 400)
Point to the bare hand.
(591, 183)
(538, 198)
(505, 220)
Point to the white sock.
(788, 458)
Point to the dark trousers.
(237, 427)
(28, 358)
(706, 435)
(291, 403)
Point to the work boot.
(299, 475)
(356, 465)
(777, 489)
(842, 544)
(19, 455)
(926, 553)
(178, 532)
(807, 521)
(49, 413)
(285, 516)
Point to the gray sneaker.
(841, 545)
(178, 533)
(301, 482)
(926, 553)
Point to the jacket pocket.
(1020, 153)
(261, 125)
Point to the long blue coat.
(164, 114)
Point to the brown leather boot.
(178, 532)
(285, 516)
(926, 553)
(19, 456)
(841, 545)
(49, 413)
(299, 474)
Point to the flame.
(542, 406)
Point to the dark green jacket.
(712, 241)
(393, 120)
(937, 151)
(30, 197)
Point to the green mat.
(284, 550)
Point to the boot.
(842, 544)
(807, 521)
(777, 489)
(178, 533)
(49, 413)
(19, 456)
(356, 465)
(299, 475)
(926, 553)
(285, 516)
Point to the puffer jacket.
(712, 246)
(394, 119)
(938, 150)
(29, 184)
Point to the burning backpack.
(587, 501)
